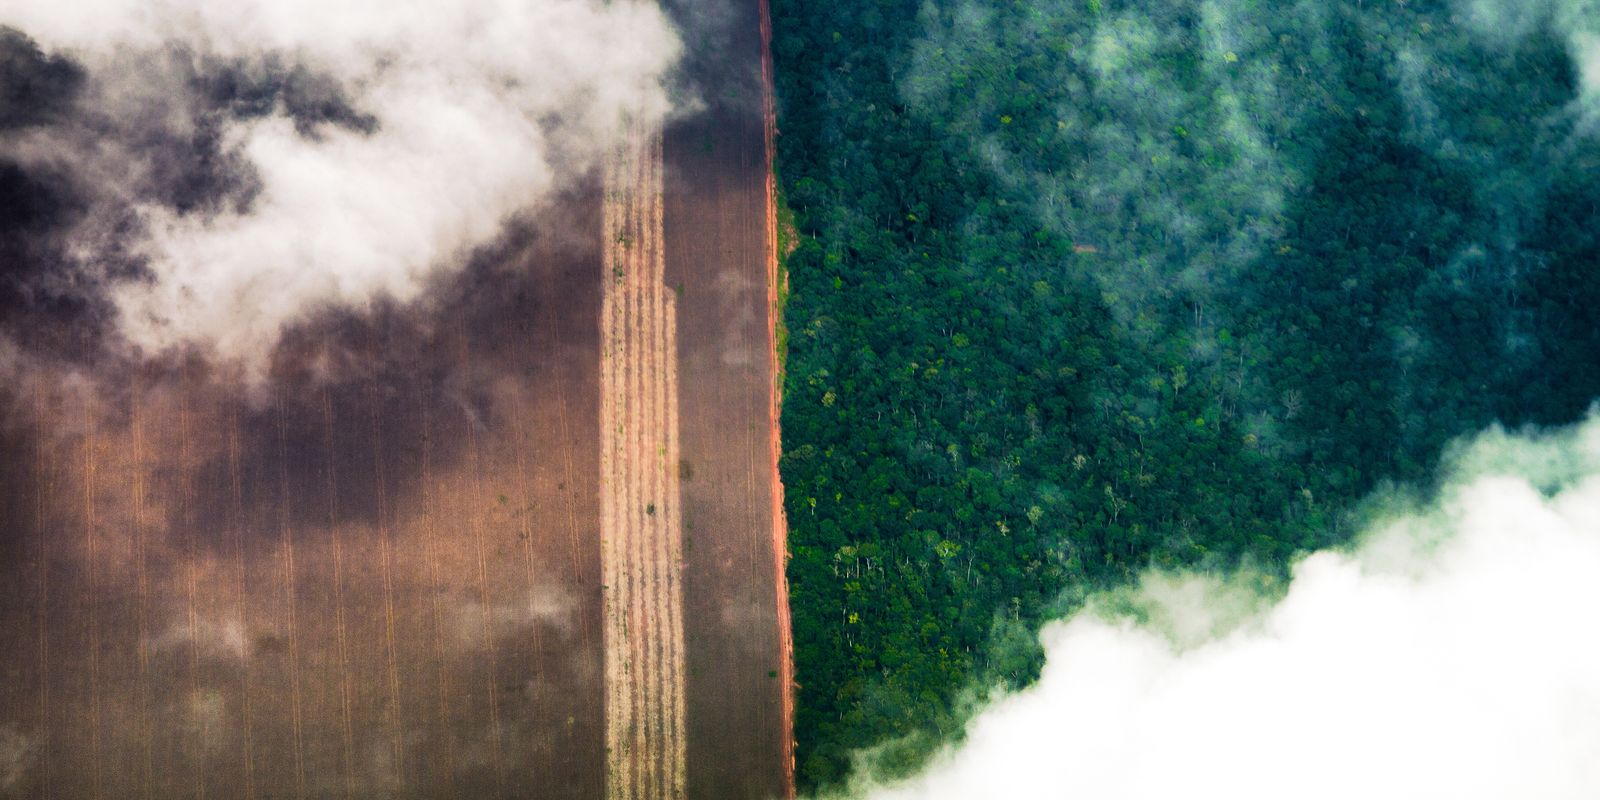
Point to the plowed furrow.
(291, 601)
(437, 587)
(241, 598)
(640, 524)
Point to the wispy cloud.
(237, 165)
(16, 754)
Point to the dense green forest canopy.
(1079, 287)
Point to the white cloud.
(1578, 21)
(482, 108)
(1454, 653)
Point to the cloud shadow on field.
(381, 375)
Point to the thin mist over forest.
(1086, 287)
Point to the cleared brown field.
(523, 542)
(718, 251)
(384, 584)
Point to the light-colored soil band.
(640, 522)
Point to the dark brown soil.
(717, 250)
(384, 585)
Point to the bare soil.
(641, 523)
(381, 576)
(380, 585)
(719, 251)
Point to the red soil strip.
(780, 524)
